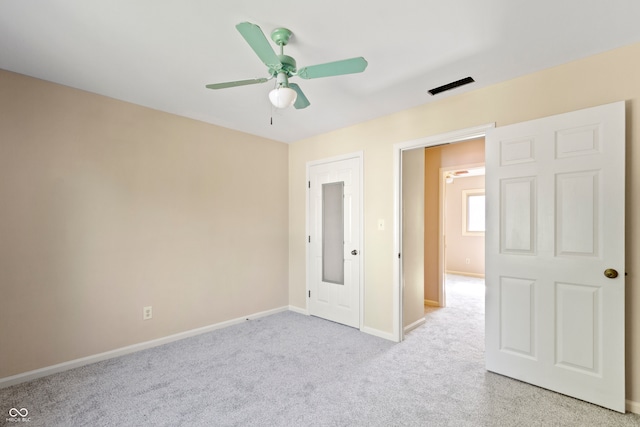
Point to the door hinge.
(309, 294)
(309, 184)
(398, 256)
(309, 239)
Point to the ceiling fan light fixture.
(283, 97)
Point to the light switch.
(381, 224)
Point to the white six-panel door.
(332, 295)
(555, 224)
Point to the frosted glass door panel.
(333, 233)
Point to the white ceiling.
(161, 54)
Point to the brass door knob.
(611, 273)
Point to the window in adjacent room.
(473, 212)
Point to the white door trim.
(355, 155)
(398, 148)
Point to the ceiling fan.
(282, 67)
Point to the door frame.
(398, 148)
(359, 155)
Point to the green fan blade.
(346, 66)
(238, 83)
(301, 100)
(259, 43)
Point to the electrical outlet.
(467, 261)
(147, 312)
(381, 225)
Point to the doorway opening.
(442, 227)
(433, 286)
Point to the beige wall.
(600, 79)
(461, 247)
(106, 207)
(436, 158)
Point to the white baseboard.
(431, 303)
(633, 406)
(299, 310)
(414, 325)
(378, 333)
(365, 329)
(464, 273)
(65, 366)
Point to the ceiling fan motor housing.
(288, 65)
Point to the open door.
(555, 253)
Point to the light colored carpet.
(292, 370)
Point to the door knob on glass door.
(611, 273)
(354, 252)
